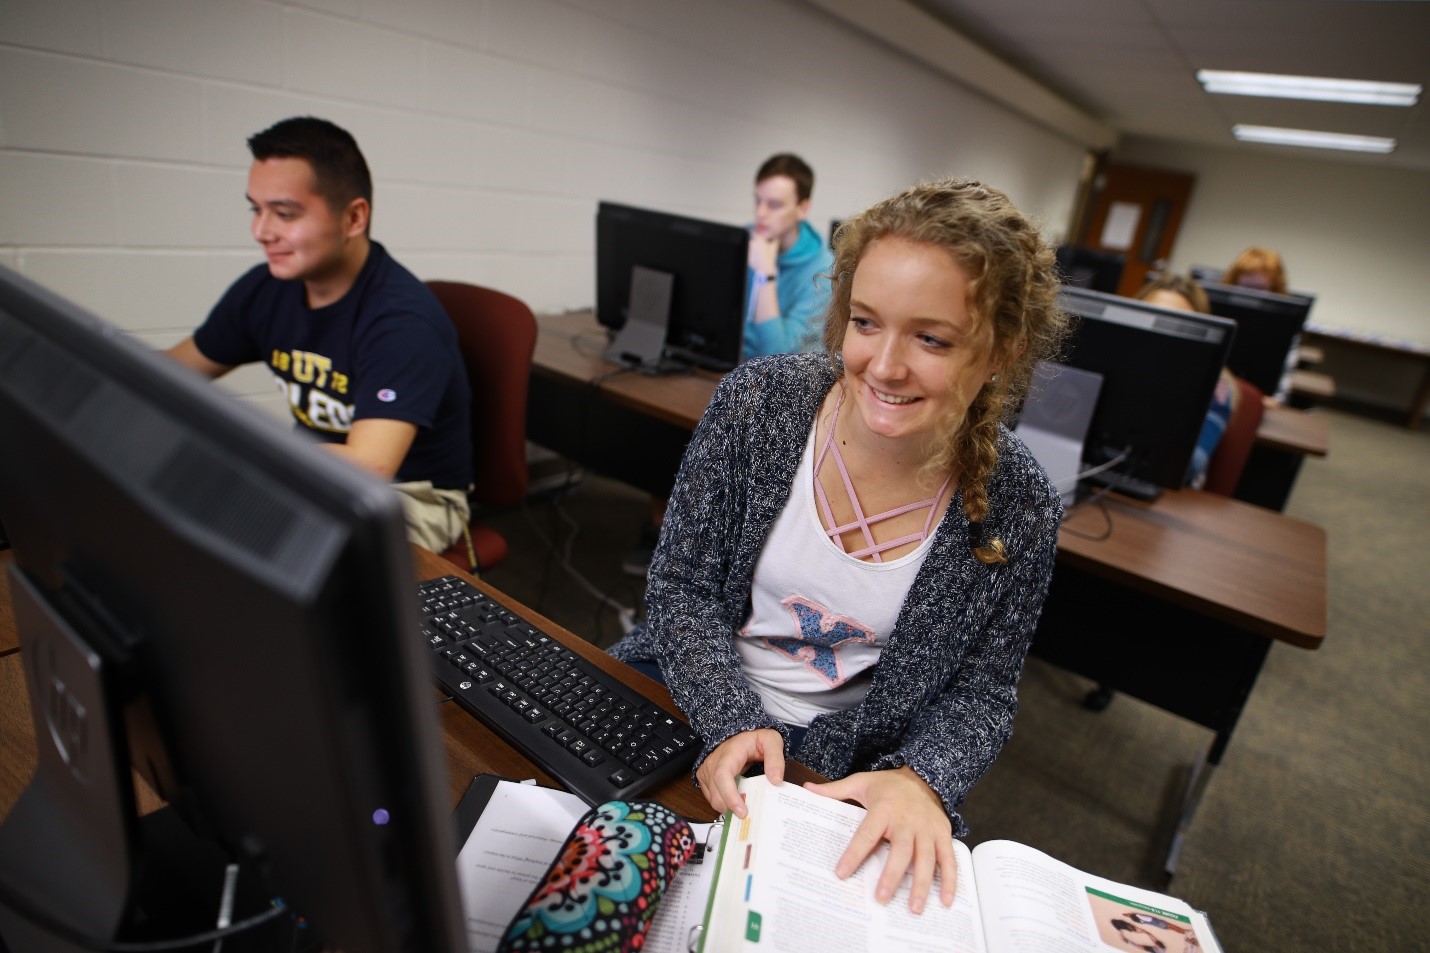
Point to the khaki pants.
(435, 518)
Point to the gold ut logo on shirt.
(311, 387)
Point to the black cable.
(574, 475)
(1095, 498)
(26, 911)
(601, 378)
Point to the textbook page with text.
(775, 892)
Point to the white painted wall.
(1355, 234)
(492, 128)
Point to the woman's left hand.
(903, 810)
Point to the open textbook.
(767, 885)
(775, 890)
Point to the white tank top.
(819, 617)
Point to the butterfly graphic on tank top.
(822, 633)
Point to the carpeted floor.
(1313, 831)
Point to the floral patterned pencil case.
(604, 886)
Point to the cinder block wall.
(493, 127)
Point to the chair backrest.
(1229, 458)
(497, 335)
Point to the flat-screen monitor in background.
(1159, 368)
(1090, 268)
(1205, 273)
(205, 596)
(1267, 325)
(708, 260)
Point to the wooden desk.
(578, 401)
(9, 637)
(569, 347)
(1294, 431)
(471, 748)
(1228, 561)
(1388, 349)
(1177, 603)
(1312, 385)
(1285, 437)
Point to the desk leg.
(1204, 670)
(1422, 397)
(1269, 478)
(1191, 799)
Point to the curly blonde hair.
(1258, 259)
(1012, 298)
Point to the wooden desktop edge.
(9, 635)
(1294, 431)
(1253, 568)
(569, 350)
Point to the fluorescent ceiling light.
(1312, 140)
(1310, 87)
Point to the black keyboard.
(589, 731)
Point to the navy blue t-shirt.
(384, 350)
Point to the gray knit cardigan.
(944, 692)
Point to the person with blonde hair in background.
(1183, 294)
(1257, 267)
(1262, 269)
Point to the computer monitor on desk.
(1267, 325)
(1093, 268)
(1159, 368)
(707, 263)
(202, 595)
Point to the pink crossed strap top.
(861, 521)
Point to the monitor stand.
(640, 344)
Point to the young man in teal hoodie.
(787, 290)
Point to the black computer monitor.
(1091, 268)
(1267, 325)
(206, 597)
(708, 260)
(1159, 368)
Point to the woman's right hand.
(717, 773)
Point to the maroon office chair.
(497, 335)
(1229, 458)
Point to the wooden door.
(1136, 211)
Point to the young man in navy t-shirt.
(363, 351)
